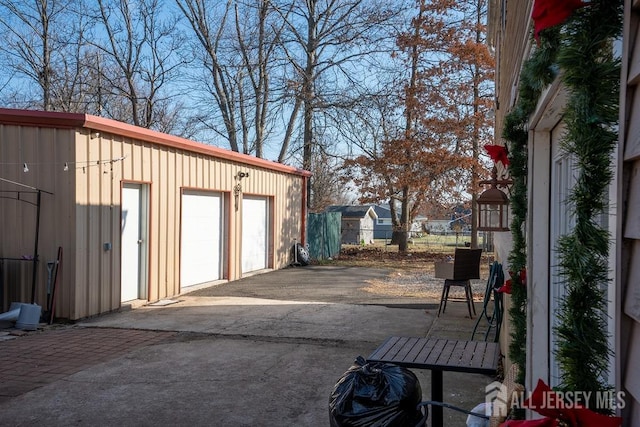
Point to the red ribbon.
(549, 13)
(508, 285)
(548, 403)
(498, 153)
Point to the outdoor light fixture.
(237, 189)
(493, 204)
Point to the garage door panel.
(201, 238)
(255, 240)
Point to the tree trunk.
(308, 94)
(476, 138)
(400, 224)
(403, 244)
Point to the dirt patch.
(412, 274)
(420, 285)
(375, 257)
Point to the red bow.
(548, 403)
(549, 13)
(498, 153)
(506, 288)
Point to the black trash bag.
(375, 394)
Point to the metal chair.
(493, 305)
(465, 267)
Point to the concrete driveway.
(262, 351)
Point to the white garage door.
(254, 233)
(201, 238)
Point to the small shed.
(140, 215)
(357, 223)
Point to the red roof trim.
(41, 118)
(75, 120)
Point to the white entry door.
(133, 219)
(201, 238)
(255, 220)
(562, 222)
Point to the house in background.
(418, 226)
(357, 223)
(140, 215)
(438, 226)
(383, 226)
(551, 175)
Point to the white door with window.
(200, 238)
(133, 220)
(561, 222)
(255, 240)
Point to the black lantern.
(493, 205)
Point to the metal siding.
(85, 211)
(108, 215)
(173, 233)
(45, 151)
(115, 260)
(158, 228)
(97, 212)
(174, 170)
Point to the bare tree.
(208, 31)
(256, 37)
(330, 44)
(34, 44)
(328, 186)
(74, 83)
(136, 61)
(237, 42)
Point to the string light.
(66, 165)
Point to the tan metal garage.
(140, 215)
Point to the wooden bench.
(439, 355)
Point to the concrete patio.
(214, 357)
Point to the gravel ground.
(413, 274)
(420, 285)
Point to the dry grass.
(415, 259)
(412, 273)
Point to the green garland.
(537, 73)
(592, 76)
(583, 51)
